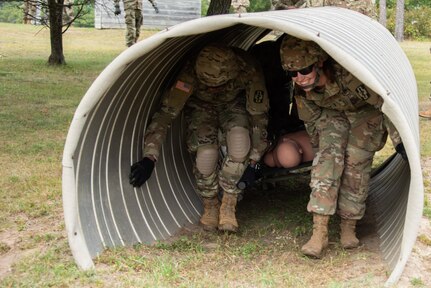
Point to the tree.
(399, 21)
(219, 7)
(382, 12)
(51, 16)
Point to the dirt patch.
(19, 242)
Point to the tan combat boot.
(209, 219)
(319, 239)
(227, 221)
(348, 236)
(426, 114)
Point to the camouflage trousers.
(133, 19)
(207, 124)
(342, 166)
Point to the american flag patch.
(180, 85)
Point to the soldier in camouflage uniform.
(240, 6)
(67, 11)
(221, 90)
(30, 10)
(133, 18)
(345, 123)
(365, 7)
(287, 4)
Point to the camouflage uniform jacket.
(347, 94)
(365, 7)
(130, 4)
(236, 4)
(288, 4)
(249, 83)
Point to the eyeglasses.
(303, 71)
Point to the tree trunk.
(399, 21)
(219, 7)
(56, 33)
(382, 12)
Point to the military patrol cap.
(297, 54)
(216, 64)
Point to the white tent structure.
(103, 210)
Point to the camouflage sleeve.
(301, 4)
(172, 104)
(313, 3)
(375, 100)
(116, 2)
(362, 92)
(257, 107)
(392, 131)
(309, 112)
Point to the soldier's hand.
(117, 10)
(141, 171)
(156, 9)
(402, 151)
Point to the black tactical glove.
(247, 178)
(401, 150)
(156, 8)
(117, 10)
(141, 171)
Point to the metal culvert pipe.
(102, 210)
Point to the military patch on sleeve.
(183, 86)
(362, 92)
(258, 96)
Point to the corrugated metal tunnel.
(103, 210)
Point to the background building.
(171, 12)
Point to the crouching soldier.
(346, 125)
(222, 89)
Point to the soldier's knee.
(206, 159)
(238, 143)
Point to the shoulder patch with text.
(362, 92)
(258, 96)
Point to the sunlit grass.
(419, 54)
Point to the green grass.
(417, 282)
(419, 55)
(37, 105)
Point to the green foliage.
(417, 23)
(259, 5)
(409, 4)
(204, 7)
(11, 12)
(87, 19)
